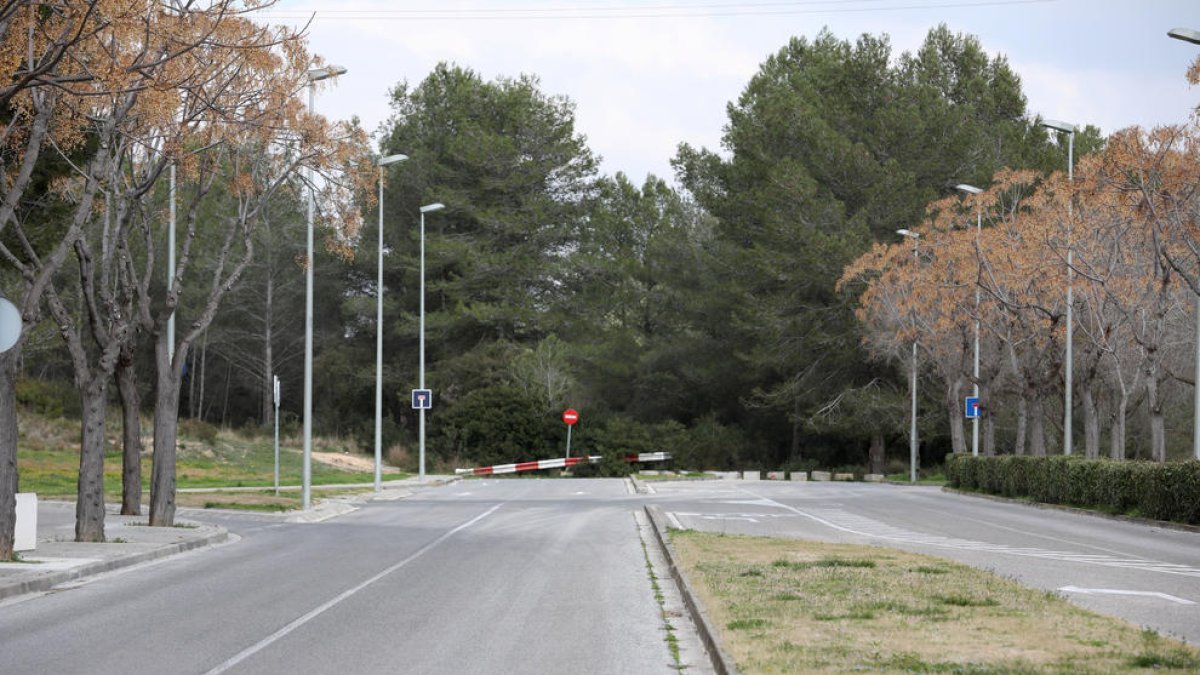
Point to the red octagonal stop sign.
(570, 416)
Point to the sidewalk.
(58, 558)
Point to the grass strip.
(799, 607)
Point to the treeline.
(706, 319)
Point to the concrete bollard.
(774, 475)
(821, 475)
(751, 475)
(25, 536)
(799, 476)
(843, 476)
(874, 478)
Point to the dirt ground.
(350, 462)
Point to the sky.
(647, 75)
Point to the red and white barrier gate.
(558, 463)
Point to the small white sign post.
(276, 435)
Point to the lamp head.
(436, 206)
(909, 233)
(1057, 125)
(391, 159)
(969, 188)
(1185, 34)
(316, 74)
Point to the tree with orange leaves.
(202, 87)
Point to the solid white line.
(267, 641)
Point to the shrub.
(1160, 491)
(196, 429)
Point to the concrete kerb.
(35, 580)
(721, 662)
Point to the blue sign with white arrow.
(972, 407)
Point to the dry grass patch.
(796, 607)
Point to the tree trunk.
(797, 427)
(958, 441)
(131, 409)
(8, 451)
(1117, 435)
(89, 501)
(988, 421)
(876, 462)
(1022, 425)
(1158, 437)
(166, 431)
(1091, 424)
(1037, 428)
(268, 381)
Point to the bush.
(1159, 491)
(196, 429)
(497, 424)
(48, 398)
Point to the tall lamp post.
(1068, 129)
(314, 75)
(971, 189)
(437, 206)
(912, 429)
(383, 161)
(1193, 36)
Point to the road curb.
(721, 662)
(45, 582)
(1149, 522)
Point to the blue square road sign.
(972, 407)
(422, 399)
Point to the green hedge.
(1151, 490)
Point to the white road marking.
(842, 521)
(270, 639)
(1114, 591)
(672, 521)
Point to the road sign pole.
(568, 441)
(276, 435)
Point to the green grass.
(787, 606)
(48, 463)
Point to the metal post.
(1196, 390)
(568, 441)
(421, 349)
(975, 371)
(276, 435)
(379, 349)
(912, 430)
(1067, 435)
(171, 262)
(308, 336)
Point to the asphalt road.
(539, 576)
(1147, 575)
(493, 576)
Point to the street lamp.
(1068, 129)
(971, 189)
(1192, 36)
(437, 206)
(314, 75)
(912, 429)
(383, 161)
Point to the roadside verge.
(721, 662)
(131, 542)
